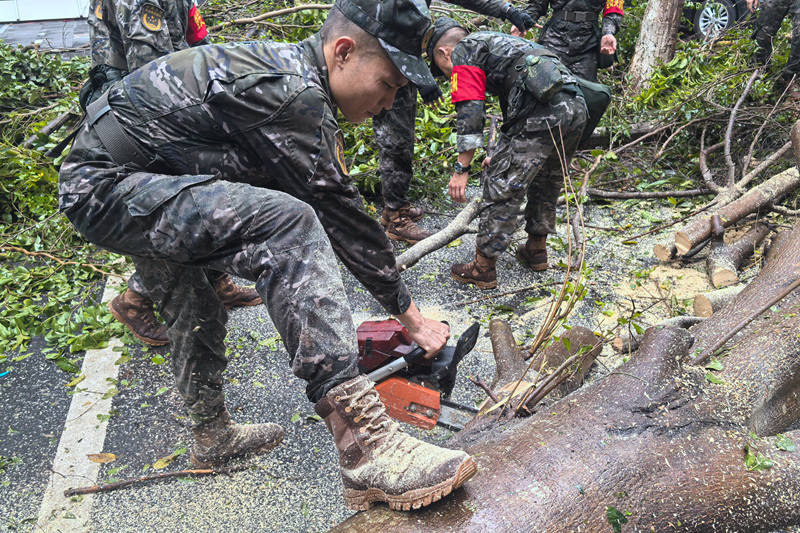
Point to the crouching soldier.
(229, 157)
(544, 115)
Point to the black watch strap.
(459, 168)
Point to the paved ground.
(61, 34)
(296, 488)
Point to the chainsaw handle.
(415, 356)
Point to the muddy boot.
(412, 212)
(219, 439)
(136, 312)
(232, 295)
(380, 463)
(400, 226)
(480, 271)
(534, 253)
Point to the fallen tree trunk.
(708, 303)
(455, 229)
(725, 259)
(658, 442)
(631, 342)
(760, 196)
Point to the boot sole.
(480, 284)
(361, 500)
(217, 462)
(248, 303)
(147, 340)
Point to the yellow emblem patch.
(152, 17)
(454, 83)
(98, 10)
(340, 152)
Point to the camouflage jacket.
(259, 113)
(490, 8)
(484, 62)
(126, 34)
(570, 37)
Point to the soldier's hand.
(458, 187)
(486, 162)
(608, 44)
(516, 32)
(521, 20)
(752, 5)
(431, 335)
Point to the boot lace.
(372, 409)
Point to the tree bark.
(770, 191)
(656, 43)
(655, 439)
(725, 259)
(708, 303)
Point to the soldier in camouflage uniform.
(394, 136)
(770, 17)
(126, 34)
(230, 157)
(574, 34)
(544, 115)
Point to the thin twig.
(729, 131)
(59, 260)
(269, 14)
(480, 383)
(627, 195)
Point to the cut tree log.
(775, 243)
(658, 440)
(760, 196)
(708, 303)
(631, 342)
(455, 229)
(724, 261)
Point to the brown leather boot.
(480, 271)
(534, 253)
(219, 439)
(401, 227)
(136, 312)
(380, 463)
(232, 295)
(412, 212)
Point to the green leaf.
(615, 518)
(782, 442)
(295, 418)
(714, 364)
(161, 391)
(754, 460)
(158, 359)
(713, 379)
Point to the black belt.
(576, 16)
(122, 148)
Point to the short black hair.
(451, 37)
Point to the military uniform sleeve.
(537, 8)
(105, 50)
(491, 8)
(612, 17)
(468, 93)
(144, 30)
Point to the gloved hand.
(518, 18)
(430, 93)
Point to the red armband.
(196, 29)
(613, 6)
(467, 83)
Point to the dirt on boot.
(135, 311)
(380, 463)
(232, 295)
(481, 271)
(220, 439)
(400, 226)
(533, 254)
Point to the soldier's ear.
(343, 49)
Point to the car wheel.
(714, 17)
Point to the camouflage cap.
(441, 26)
(400, 26)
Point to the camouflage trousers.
(770, 16)
(394, 135)
(176, 227)
(583, 65)
(136, 284)
(529, 164)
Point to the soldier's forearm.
(491, 8)
(536, 9)
(611, 23)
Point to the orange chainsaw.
(414, 390)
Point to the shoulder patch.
(98, 10)
(152, 17)
(340, 152)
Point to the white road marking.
(84, 433)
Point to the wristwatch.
(458, 168)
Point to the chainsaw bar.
(454, 416)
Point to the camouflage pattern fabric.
(576, 43)
(770, 16)
(126, 34)
(528, 164)
(394, 128)
(247, 176)
(525, 160)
